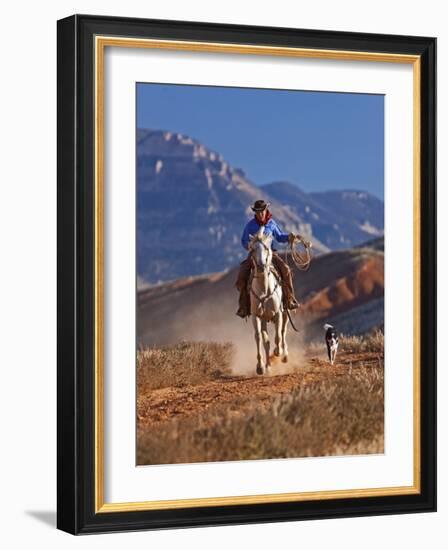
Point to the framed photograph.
(246, 274)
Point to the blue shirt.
(271, 228)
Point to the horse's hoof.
(285, 359)
(260, 370)
(276, 352)
(268, 369)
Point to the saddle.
(274, 271)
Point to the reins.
(301, 259)
(290, 320)
(267, 296)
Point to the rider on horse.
(263, 217)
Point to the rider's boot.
(241, 313)
(289, 299)
(243, 309)
(293, 304)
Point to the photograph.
(259, 273)
(246, 262)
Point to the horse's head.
(260, 246)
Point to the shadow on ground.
(44, 516)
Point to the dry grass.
(372, 342)
(186, 363)
(344, 415)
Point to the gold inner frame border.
(101, 42)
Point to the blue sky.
(318, 140)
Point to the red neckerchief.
(268, 217)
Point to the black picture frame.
(76, 285)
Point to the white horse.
(266, 301)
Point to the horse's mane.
(260, 236)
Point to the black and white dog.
(332, 341)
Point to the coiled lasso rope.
(301, 259)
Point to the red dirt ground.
(242, 394)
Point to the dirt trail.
(241, 394)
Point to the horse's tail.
(290, 320)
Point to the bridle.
(301, 261)
(259, 270)
(258, 273)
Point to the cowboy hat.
(260, 205)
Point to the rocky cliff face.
(339, 219)
(192, 207)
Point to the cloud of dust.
(219, 325)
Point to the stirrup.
(241, 313)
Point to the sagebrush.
(184, 363)
(339, 416)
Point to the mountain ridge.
(339, 218)
(192, 206)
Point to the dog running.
(332, 342)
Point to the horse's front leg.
(257, 327)
(278, 334)
(284, 330)
(264, 332)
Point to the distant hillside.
(192, 207)
(377, 244)
(339, 285)
(339, 219)
(359, 320)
